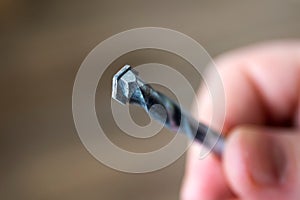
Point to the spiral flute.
(129, 88)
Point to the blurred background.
(43, 44)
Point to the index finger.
(261, 83)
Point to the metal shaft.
(129, 88)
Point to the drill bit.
(127, 87)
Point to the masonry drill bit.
(129, 88)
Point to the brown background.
(42, 46)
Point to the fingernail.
(265, 158)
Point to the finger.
(261, 83)
(263, 163)
(248, 100)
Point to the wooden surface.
(42, 46)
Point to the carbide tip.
(124, 84)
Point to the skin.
(261, 158)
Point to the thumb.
(263, 163)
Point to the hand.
(262, 153)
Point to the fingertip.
(233, 162)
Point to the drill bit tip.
(124, 84)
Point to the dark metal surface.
(129, 88)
